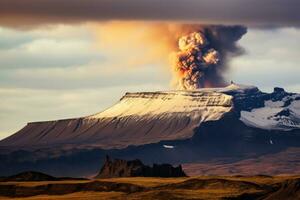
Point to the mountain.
(223, 125)
(138, 118)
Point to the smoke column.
(202, 55)
(199, 53)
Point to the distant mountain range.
(211, 125)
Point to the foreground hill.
(212, 125)
(252, 187)
(31, 176)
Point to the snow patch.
(168, 146)
(275, 115)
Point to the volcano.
(224, 125)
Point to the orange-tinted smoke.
(137, 44)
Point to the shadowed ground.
(210, 187)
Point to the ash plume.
(202, 55)
(199, 53)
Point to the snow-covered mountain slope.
(202, 105)
(277, 113)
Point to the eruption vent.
(202, 55)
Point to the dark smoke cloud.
(16, 13)
(202, 55)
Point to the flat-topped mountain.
(150, 117)
(138, 118)
(228, 124)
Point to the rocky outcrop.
(135, 168)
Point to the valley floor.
(204, 187)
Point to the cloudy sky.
(61, 60)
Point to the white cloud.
(46, 48)
(271, 59)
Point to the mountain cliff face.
(225, 124)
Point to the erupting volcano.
(202, 122)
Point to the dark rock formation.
(135, 168)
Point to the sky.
(73, 60)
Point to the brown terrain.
(212, 187)
(282, 163)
